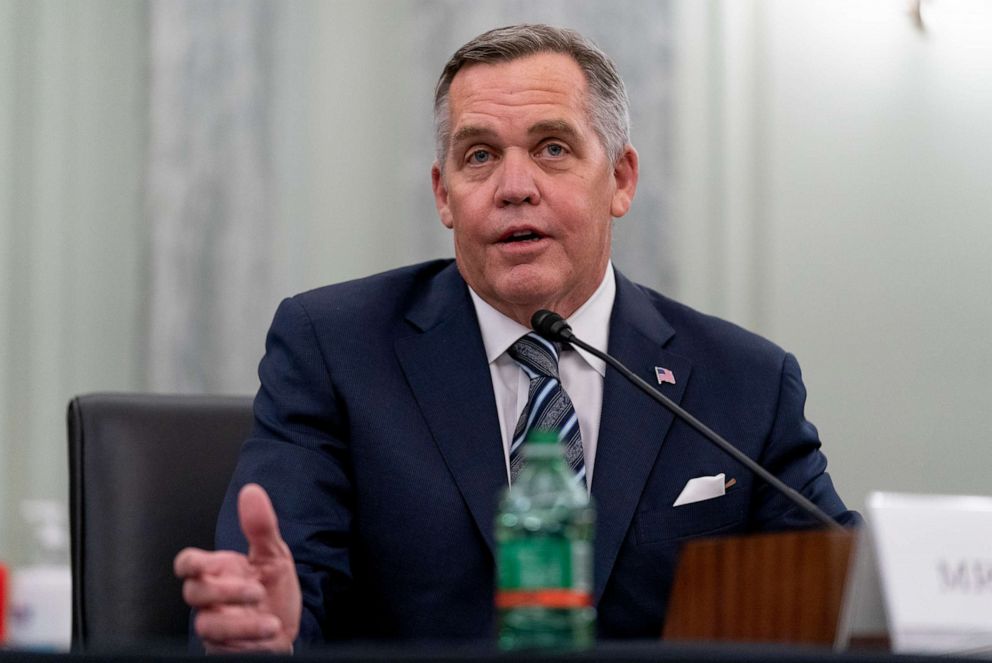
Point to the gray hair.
(607, 106)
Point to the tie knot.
(537, 356)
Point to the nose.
(516, 183)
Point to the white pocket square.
(702, 488)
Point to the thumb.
(259, 523)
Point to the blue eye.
(479, 156)
(554, 150)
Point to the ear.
(625, 175)
(441, 196)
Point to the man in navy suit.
(386, 406)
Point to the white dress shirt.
(581, 373)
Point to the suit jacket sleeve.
(297, 453)
(792, 453)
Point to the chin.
(536, 292)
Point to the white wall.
(72, 239)
(837, 161)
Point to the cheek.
(468, 217)
(590, 245)
(468, 238)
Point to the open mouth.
(521, 236)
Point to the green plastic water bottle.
(544, 539)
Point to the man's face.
(527, 187)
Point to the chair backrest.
(147, 474)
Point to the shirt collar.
(591, 323)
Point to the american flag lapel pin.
(664, 375)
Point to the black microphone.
(553, 327)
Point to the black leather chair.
(147, 474)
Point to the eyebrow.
(560, 127)
(471, 131)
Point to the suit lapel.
(445, 364)
(632, 425)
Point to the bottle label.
(549, 572)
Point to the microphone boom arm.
(562, 331)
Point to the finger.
(236, 623)
(259, 524)
(192, 562)
(244, 646)
(212, 590)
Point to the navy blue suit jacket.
(376, 436)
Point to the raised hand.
(245, 602)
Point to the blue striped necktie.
(548, 406)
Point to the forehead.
(551, 82)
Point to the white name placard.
(934, 556)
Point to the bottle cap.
(542, 436)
